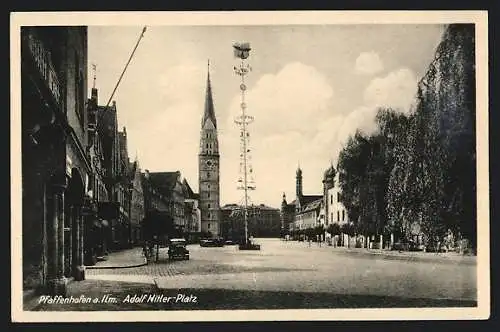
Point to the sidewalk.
(450, 257)
(122, 259)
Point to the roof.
(164, 182)
(306, 199)
(209, 112)
(313, 205)
(189, 191)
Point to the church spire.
(209, 103)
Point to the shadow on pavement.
(148, 297)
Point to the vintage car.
(216, 242)
(177, 249)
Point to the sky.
(311, 86)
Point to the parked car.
(216, 242)
(177, 249)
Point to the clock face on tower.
(210, 163)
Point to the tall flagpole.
(126, 66)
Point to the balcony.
(41, 58)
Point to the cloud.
(288, 108)
(173, 131)
(368, 63)
(395, 90)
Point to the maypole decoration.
(246, 180)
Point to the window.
(331, 217)
(208, 175)
(343, 215)
(208, 205)
(208, 215)
(208, 226)
(331, 199)
(208, 194)
(338, 215)
(207, 145)
(338, 197)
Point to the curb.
(145, 262)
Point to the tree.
(333, 229)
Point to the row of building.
(82, 196)
(312, 211)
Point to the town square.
(258, 166)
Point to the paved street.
(288, 275)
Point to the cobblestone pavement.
(289, 275)
(123, 258)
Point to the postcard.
(249, 166)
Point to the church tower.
(208, 167)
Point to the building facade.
(96, 235)
(137, 211)
(287, 215)
(116, 210)
(165, 193)
(192, 211)
(335, 211)
(208, 168)
(307, 207)
(55, 165)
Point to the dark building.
(56, 170)
(97, 234)
(165, 198)
(117, 181)
(262, 221)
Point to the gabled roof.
(306, 199)
(313, 205)
(189, 191)
(164, 182)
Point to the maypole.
(246, 181)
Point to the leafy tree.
(333, 229)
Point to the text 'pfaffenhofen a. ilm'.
(76, 300)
